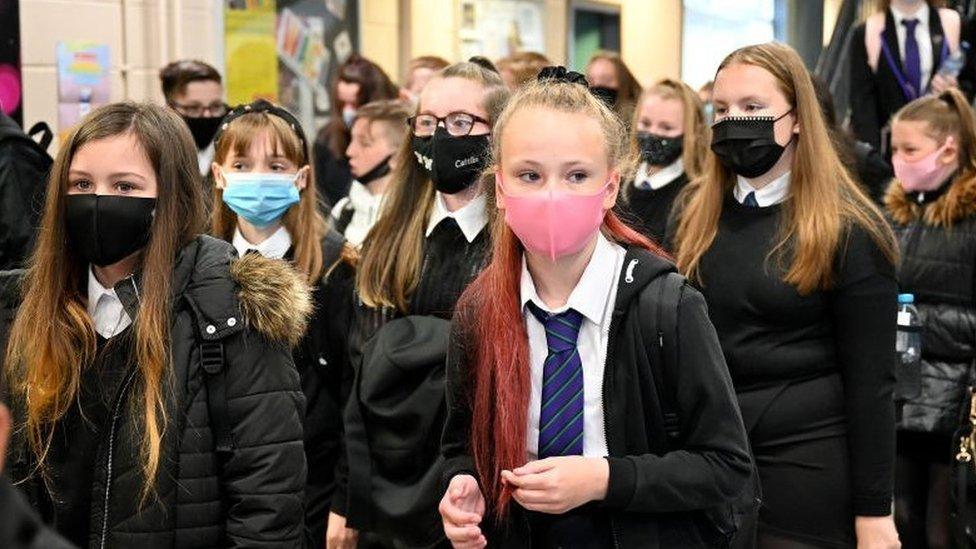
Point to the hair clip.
(560, 74)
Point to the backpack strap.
(661, 330)
(345, 217)
(46, 134)
(212, 362)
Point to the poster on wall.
(314, 37)
(83, 80)
(11, 86)
(497, 28)
(249, 43)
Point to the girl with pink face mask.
(932, 205)
(588, 401)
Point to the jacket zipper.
(111, 452)
(611, 344)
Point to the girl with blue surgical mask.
(266, 202)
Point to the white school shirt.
(365, 211)
(661, 179)
(472, 217)
(922, 35)
(105, 308)
(594, 298)
(274, 247)
(771, 194)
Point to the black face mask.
(747, 144)
(203, 128)
(377, 172)
(106, 229)
(454, 163)
(659, 151)
(607, 95)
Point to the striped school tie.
(561, 414)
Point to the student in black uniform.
(194, 89)
(672, 137)
(154, 391)
(796, 265)
(428, 244)
(933, 207)
(895, 57)
(377, 134)
(266, 205)
(613, 82)
(555, 432)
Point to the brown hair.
(629, 89)
(524, 66)
(392, 115)
(176, 76)
(697, 134)
(44, 360)
(393, 251)
(825, 200)
(431, 62)
(373, 83)
(304, 221)
(946, 115)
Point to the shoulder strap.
(661, 334)
(212, 361)
(46, 134)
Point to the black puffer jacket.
(256, 308)
(938, 265)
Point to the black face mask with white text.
(454, 163)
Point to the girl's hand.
(337, 536)
(462, 509)
(942, 82)
(556, 485)
(876, 533)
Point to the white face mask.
(349, 115)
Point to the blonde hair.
(304, 221)
(393, 251)
(628, 87)
(697, 134)
(524, 66)
(824, 202)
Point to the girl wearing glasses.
(796, 265)
(427, 245)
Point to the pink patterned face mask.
(553, 223)
(923, 175)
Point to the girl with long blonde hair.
(797, 267)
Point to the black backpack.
(24, 168)
(719, 525)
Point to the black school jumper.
(649, 487)
(814, 375)
(652, 207)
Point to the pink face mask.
(554, 223)
(923, 175)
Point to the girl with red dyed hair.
(568, 425)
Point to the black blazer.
(876, 96)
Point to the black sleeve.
(264, 478)
(714, 464)
(864, 305)
(863, 94)
(967, 77)
(20, 527)
(455, 441)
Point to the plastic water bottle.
(908, 345)
(953, 64)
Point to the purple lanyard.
(907, 89)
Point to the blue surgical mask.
(260, 198)
(349, 115)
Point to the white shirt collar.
(660, 179)
(274, 247)
(105, 308)
(205, 159)
(922, 14)
(361, 198)
(774, 193)
(472, 217)
(592, 293)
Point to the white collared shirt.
(922, 35)
(594, 298)
(660, 179)
(472, 217)
(273, 247)
(365, 211)
(205, 159)
(105, 308)
(772, 194)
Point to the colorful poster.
(83, 80)
(249, 42)
(11, 85)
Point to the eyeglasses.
(458, 124)
(196, 111)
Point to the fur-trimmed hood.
(958, 202)
(227, 293)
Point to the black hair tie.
(560, 74)
(265, 106)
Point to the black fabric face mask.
(747, 144)
(607, 95)
(106, 229)
(659, 151)
(377, 172)
(203, 128)
(454, 163)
